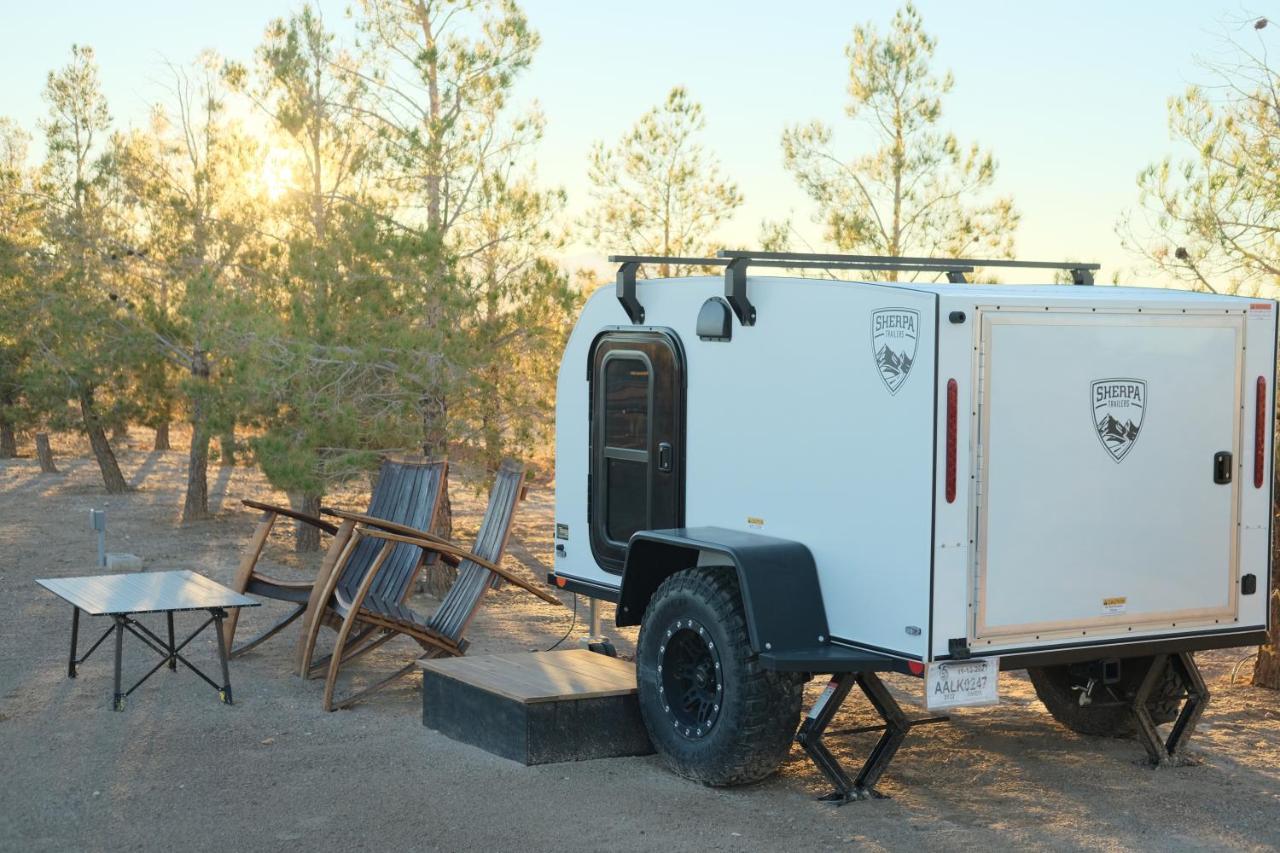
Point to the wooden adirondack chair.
(364, 607)
(406, 493)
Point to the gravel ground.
(179, 771)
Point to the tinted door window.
(637, 403)
(627, 390)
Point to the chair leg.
(335, 560)
(357, 647)
(245, 571)
(270, 632)
(336, 658)
(331, 704)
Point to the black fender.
(778, 579)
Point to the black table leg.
(75, 638)
(225, 693)
(173, 657)
(118, 701)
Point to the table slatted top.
(144, 592)
(540, 676)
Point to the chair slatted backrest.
(407, 493)
(463, 598)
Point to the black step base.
(533, 731)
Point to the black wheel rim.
(690, 680)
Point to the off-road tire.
(758, 714)
(1105, 717)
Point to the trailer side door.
(1108, 475)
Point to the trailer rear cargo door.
(1107, 475)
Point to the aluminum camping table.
(122, 597)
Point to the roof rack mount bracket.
(735, 291)
(626, 291)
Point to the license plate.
(962, 683)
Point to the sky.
(1070, 97)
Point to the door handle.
(1222, 467)
(665, 457)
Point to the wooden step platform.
(536, 707)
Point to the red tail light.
(1260, 434)
(952, 415)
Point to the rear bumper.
(1139, 647)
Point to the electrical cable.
(572, 623)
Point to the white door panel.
(1098, 510)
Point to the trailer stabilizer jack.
(894, 732)
(1168, 753)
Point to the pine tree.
(919, 192)
(657, 191)
(84, 340)
(188, 174)
(441, 74)
(19, 245)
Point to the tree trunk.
(45, 454)
(111, 476)
(439, 575)
(227, 446)
(196, 505)
(306, 537)
(1266, 669)
(8, 441)
(162, 437)
(120, 433)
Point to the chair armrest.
(443, 548)
(294, 514)
(283, 584)
(387, 526)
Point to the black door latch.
(665, 457)
(1222, 467)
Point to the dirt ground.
(179, 771)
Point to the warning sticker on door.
(1114, 606)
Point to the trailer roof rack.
(735, 265)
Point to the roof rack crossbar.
(666, 259)
(892, 262)
(852, 265)
(735, 263)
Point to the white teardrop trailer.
(782, 477)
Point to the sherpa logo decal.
(894, 333)
(1118, 407)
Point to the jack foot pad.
(840, 798)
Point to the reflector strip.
(1260, 434)
(952, 414)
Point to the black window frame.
(610, 554)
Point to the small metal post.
(173, 654)
(75, 637)
(98, 519)
(225, 692)
(595, 640)
(117, 703)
